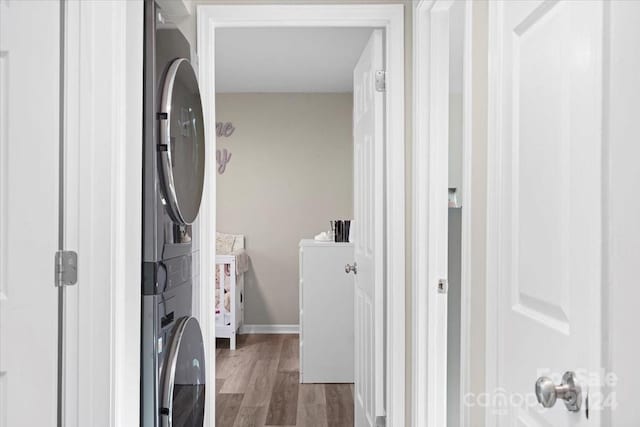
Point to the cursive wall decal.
(224, 129)
(222, 157)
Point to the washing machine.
(173, 374)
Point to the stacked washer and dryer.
(173, 379)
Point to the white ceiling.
(287, 59)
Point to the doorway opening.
(388, 271)
(285, 170)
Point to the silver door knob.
(547, 392)
(349, 268)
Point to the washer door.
(181, 145)
(183, 393)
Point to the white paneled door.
(368, 134)
(29, 152)
(546, 215)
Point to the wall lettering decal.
(222, 157)
(225, 129)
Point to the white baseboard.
(270, 329)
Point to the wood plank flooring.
(258, 385)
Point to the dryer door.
(183, 393)
(181, 146)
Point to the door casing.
(103, 211)
(431, 33)
(391, 19)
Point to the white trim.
(207, 215)
(269, 329)
(467, 215)
(103, 211)
(391, 18)
(71, 322)
(493, 213)
(420, 405)
(430, 216)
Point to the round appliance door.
(182, 142)
(183, 394)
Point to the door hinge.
(381, 81)
(443, 286)
(66, 271)
(381, 421)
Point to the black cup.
(338, 232)
(342, 230)
(345, 228)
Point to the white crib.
(229, 292)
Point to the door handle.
(351, 268)
(547, 392)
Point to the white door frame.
(391, 19)
(430, 215)
(103, 211)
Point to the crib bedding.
(242, 265)
(227, 287)
(231, 263)
(227, 301)
(241, 259)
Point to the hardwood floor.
(258, 385)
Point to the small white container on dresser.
(326, 312)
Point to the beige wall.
(478, 205)
(291, 171)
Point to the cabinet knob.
(351, 268)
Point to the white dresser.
(326, 312)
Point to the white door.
(368, 137)
(29, 118)
(545, 207)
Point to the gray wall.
(453, 316)
(622, 234)
(291, 171)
